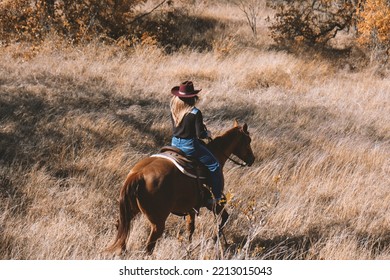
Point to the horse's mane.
(222, 139)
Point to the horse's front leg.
(221, 211)
(190, 220)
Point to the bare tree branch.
(148, 13)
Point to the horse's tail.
(128, 209)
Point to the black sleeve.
(201, 131)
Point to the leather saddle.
(192, 168)
(189, 166)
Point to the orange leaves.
(315, 22)
(374, 23)
(374, 28)
(75, 20)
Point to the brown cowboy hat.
(185, 90)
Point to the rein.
(236, 162)
(230, 157)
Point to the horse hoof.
(119, 252)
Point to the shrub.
(374, 28)
(312, 22)
(115, 21)
(251, 9)
(76, 20)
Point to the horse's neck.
(223, 146)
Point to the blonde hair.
(180, 107)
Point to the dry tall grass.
(73, 122)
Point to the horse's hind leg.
(190, 224)
(156, 231)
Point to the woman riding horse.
(156, 187)
(188, 127)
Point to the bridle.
(230, 157)
(236, 162)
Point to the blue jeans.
(193, 148)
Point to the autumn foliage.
(306, 22)
(310, 21)
(374, 27)
(75, 20)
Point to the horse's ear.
(235, 123)
(245, 128)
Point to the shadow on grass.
(301, 247)
(277, 248)
(41, 130)
(32, 124)
(375, 244)
(176, 29)
(39, 138)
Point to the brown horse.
(157, 188)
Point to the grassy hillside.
(73, 120)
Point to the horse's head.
(243, 148)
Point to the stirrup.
(214, 202)
(222, 201)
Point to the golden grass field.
(73, 121)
